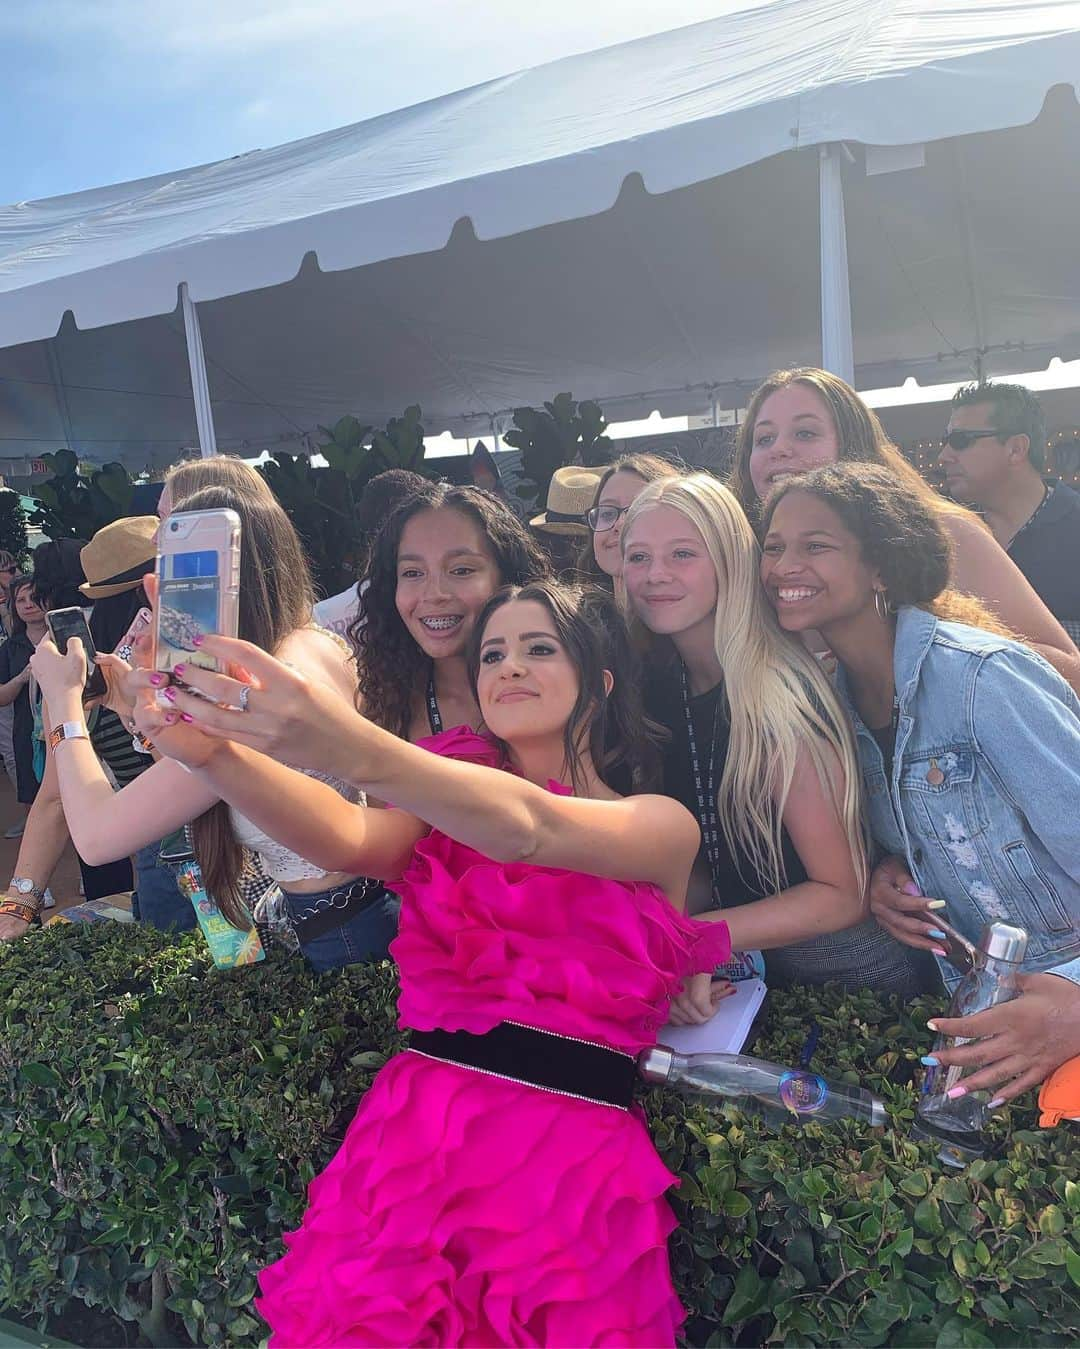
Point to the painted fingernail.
(954, 1093)
(170, 694)
(178, 670)
(930, 1061)
(931, 1025)
(185, 717)
(197, 640)
(171, 718)
(157, 680)
(998, 1100)
(912, 889)
(939, 951)
(936, 932)
(935, 903)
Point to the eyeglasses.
(604, 517)
(963, 440)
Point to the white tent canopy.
(646, 225)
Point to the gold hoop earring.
(881, 604)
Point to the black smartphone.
(67, 623)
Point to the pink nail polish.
(197, 640)
(998, 1100)
(938, 951)
(955, 1093)
(171, 718)
(170, 694)
(184, 717)
(178, 670)
(157, 680)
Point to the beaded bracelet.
(17, 909)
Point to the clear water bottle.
(760, 1087)
(991, 980)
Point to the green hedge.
(160, 1120)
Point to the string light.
(924, 454)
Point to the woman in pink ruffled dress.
(497, 1187)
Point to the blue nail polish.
(930, 1061)
(937, 932)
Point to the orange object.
(1059, 1096)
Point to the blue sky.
(98, 91)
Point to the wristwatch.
(68, 730)
(26, 887)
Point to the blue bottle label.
(803, 1093)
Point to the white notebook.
(726, 1031)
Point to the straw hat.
(570, 495)
(119, 556)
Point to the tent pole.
(837, 354)
(200, 387)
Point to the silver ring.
(245, 693)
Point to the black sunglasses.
(963, 440)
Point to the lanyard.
(434, 718)
(705, 786)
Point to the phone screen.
(67, 623)
(188, 605)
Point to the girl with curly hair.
(434, 564)
(969, 745)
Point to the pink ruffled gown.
(463, 1209)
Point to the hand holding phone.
(63, 624)
(198, 574)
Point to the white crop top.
(280, 863)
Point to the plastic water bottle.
(991, 980)
(760, 1087)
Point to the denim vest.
(984, 801)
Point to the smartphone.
(959, 952)
(64, 624)
(198, 572)
(140, 625)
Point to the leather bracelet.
(17, 909)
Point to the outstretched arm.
(106, 824)
(500, 815)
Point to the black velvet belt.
(538, 1058)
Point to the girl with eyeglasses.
(625, 479)
(805, 418)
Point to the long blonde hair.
(861, 436)
(780, 702)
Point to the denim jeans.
(365, 936)
(157, 899)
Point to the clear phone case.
(198, 572)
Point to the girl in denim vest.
(969, 744)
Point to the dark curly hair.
(622, 742)
(391, 668)
(899, 533)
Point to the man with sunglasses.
(994, 457)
